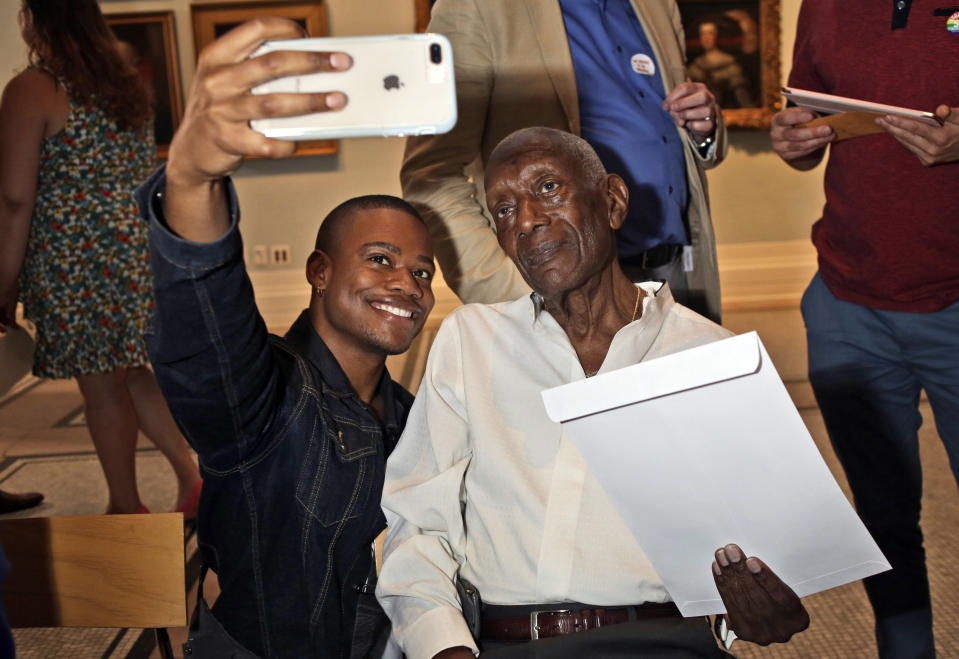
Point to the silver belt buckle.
(534, 621)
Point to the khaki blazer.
(513, 70)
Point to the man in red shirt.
(882, 313)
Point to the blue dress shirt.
(622, 117)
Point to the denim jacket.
(292, 459)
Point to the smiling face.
(376, 283)
(553, 219)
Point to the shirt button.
(641, 94)
(619, 49)
(664, 139)
(670, 189)
(900, 4)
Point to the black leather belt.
(544, 623)
(653, 257)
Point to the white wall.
(755, 196)
(756, 199)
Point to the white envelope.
(704, 447)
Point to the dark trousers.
(663, 637)
(867, 368)
(673, 274)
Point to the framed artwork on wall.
(214, 19)
(733, 47)
(148, 41)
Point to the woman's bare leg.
(112, 423)
(154, 418)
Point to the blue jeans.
(867, 368)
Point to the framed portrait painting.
(148, 42)
(733, 47)
(214, 19)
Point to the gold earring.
(319, 291)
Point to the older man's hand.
(759, 606)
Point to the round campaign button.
(952, 23)
(643, 64)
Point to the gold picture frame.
(212, 19)
(748, 38)
(733, 46)
(149, 39)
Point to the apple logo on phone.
(392, 82)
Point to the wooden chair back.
(95, 571)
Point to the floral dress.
(86, 280)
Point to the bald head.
(550, 140)
(555, 209)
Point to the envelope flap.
(697, 367)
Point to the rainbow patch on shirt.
(952, 23)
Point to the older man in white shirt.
(484, 486)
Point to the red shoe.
(142, 510)
(189, 505)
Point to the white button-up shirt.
(484, 484)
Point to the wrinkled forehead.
(523, 159)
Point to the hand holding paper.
(722, 456)
(798, 143)
(933, 145)
(759, 607)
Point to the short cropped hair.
(573, 145)
(328, 235)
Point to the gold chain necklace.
(639, 295)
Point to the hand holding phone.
(398, 85)
(215, 133)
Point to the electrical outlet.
(259, 254)
(279, 254)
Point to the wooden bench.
(96, 571)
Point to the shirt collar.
(658, 290)
(302, 336)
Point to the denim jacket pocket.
(333, 484)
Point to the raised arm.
(434, 173)
(208, 345)
(215, 134)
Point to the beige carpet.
(44, 446)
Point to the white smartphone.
(399, 85)
(830, 104)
